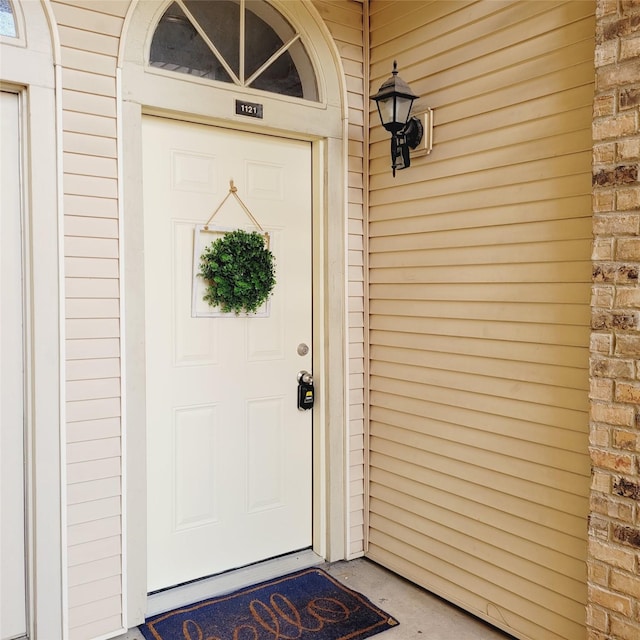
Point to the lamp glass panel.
(394, 112)
(403, 109)
(385, 109)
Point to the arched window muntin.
(243, 43)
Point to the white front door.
(13, 621)
(229, 454)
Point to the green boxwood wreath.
(239, 271)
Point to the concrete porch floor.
(421, 614)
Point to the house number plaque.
(251, 109)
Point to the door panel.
(229, 454)
(13, 621)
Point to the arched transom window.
(244, 42)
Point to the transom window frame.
(239, 80)
(188, 96)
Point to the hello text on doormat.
(308, 605)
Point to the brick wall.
(613, 611)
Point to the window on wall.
(7, 20)
(243, 42)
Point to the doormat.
(307, 605)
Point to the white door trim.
(27, 67)
(324, 125)
(13, 484)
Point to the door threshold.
(230, 581)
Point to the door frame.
(150, 91)
(14, 514)
(28, 68)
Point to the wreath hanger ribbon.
(233, 190)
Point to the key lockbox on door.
(305, 391)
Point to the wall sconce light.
(394, 100)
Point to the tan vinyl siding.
(89, 37)
(479, 311)
(344, 19)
